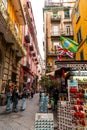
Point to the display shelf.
(71, 114)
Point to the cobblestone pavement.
(22, 120)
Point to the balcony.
(66, 33)
(55, 18)
(55, 34)
(34, 54)
(31, 47)
(27, 39)
(26, 64)
(10, 31)
(52, 53)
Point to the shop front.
(74, 111)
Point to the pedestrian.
(40, 94)
(55, 97)
(24, 96)
(15, 99)
(8, 95)
(32, 92)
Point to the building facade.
(11, 48)
(57, 22)
(19, 50)
(29, 64)
(79, 20)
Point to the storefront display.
(44, 121)
(44, 103)
(71, 113)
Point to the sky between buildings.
(37, 7)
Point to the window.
(28, 4)
(68, 30)
(79, 36)
(66, 13)
(77, 14)
(55, 30)
(81, 55)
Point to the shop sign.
(79, 73)
(74, 65)
(77, 66)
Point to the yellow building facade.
(12, 20)
(79, 20)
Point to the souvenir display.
(64, 115)
(44, 121)
(44, 103)
(71, 113)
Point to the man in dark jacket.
(55, 97)
(15, 99)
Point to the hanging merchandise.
(77, 101)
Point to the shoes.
(8, 109)
(22, 109)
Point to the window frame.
(79, 35)
(66, 13)
(77, 14)
(81, 55)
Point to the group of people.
(12, 96)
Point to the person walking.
(55, 97)
(8, 94)
(24, 96)
(15, 99)
(32, 92)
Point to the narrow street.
(23, 120)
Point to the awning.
(51, 73)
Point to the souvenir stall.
(72, 114)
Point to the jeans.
(8, 103)
(23, 106)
